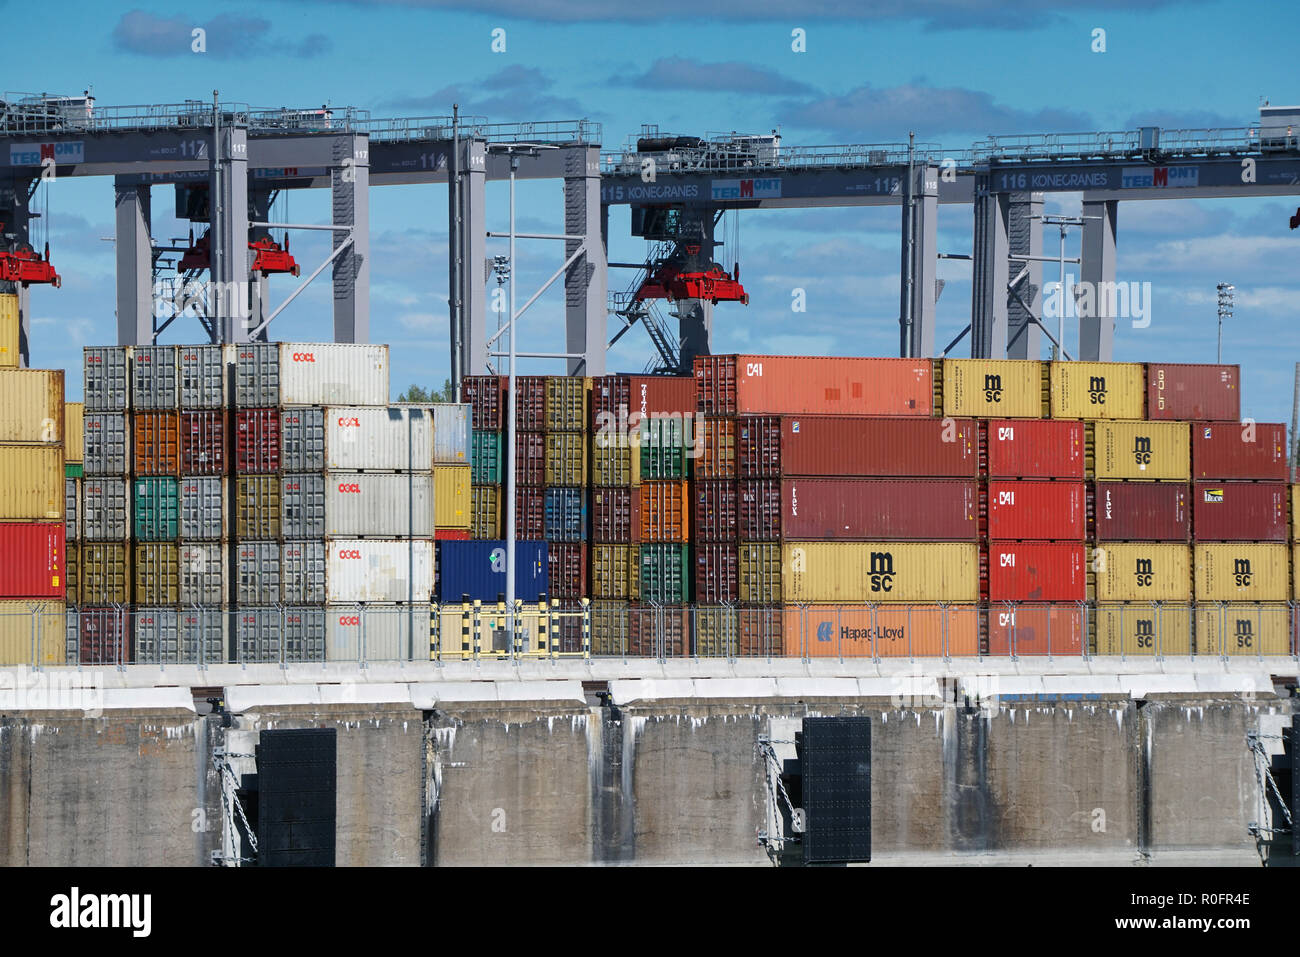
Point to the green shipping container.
(663, 448)
(486, 458)
(665, 574)
(157, 509)
(74, 470)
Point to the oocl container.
(31, 483)
(1142, 450)
(1036, 571)
(392, 437)
(157, 573)
(1233, 450)
(1241, 572)
(108, 444)
(257, 440)
(153, 378)
(203, 443)
(302, 440)
(32, 632)
(333, 373)
(1188, 391)
(1243, 629)
(1142, 572)
(202, 507)
(804, 385)
(381, 504)
(863, 631)
(107, 386)
(874, 509)
(1098, 390)
(717, 571)
(665, 511)
(1048, 449)
(1141, 511)
(1240, 511)
(31, 406)
(257, 573)
(848, 572)
(106, 508)
(202, 570)
(453, 496)
(34, 560)
(993, 388)
(771, 446)
(1029, 510)
(716, 518)
(378, 571)
(1033, 629)
(477, 569)
(377, 634)
(1141, 629)
(157, 443)
(201, 372)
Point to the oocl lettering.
(353, 621)
(350, 553)
(352, 487)
(882, 571)
(993, 388)
(353, 423)
(304, 357)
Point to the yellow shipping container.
(880, 572)
(1098, 390)
(616, 465)
(453, 496)
(1243, 629)
(1295, 571)
(1142, 450)
(32, 632)
(31, 483)
(9, 355)
(157, 573)
(615, 571)
(1141, 572)
(993, 388)
(106, 573)
(1242, 572)
(1142, 629)
(31, 405)
(74, 432)
(72, 572)
(485, 514)
(566, 458)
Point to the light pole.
(1225, 310)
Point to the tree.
(416, 394)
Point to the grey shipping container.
(257, 374)
(202, 374)
(108, 444)
(304, 633)
(72, 509)
(156, 635)
(203, 507)
(266, 634)
(379, 505)
(202, 573)
(451, 433)
(106, 508)
(204, 634)
(106, 385)
(302, 505)
(377, 632)
(302, 440)
(257, 566)
(153, 378)
(302, 571)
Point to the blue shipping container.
(478, 569)
(566, 514)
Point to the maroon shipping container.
(1140, 512)
(881, 510)
(715, 510)
(615, 516)
(1177, 390)
(103, 636)
(530, 512)
(1028, 448)
(644, 394)
(771, 446)
(1042, 511)
(203, 443)
(530, 458)
(658, 632)
(1036, 571)
(760, 631)
(530, 403)
(486, 397)
(717, 572)
(33, 560)
(567, 569)
(1239, 511)
(759, 510)
(257, 440)
(1233, 450)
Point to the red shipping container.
(1177, 390)
(103, 636)
(760, 632)
(715, 510)
(203, 443)
(1140, 512)
(1043, 511)
(530, 458)
(660, 632)
(717, 572)
(1235, 450)
(530, 512)
(1035, 630)
(813, 385)
(33, 560)
(872, 509)
(486, 397)
(1027, 448)
(770, 446)
(157, 443)
(1240, 511)
(1036, 571)
(567, 569)
(452, 534)
(759, 510)
(645, 395)
(615, 515)
(257, 440)
(530, 403)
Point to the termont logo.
(882, 571)
(993, 388)
(77, 910)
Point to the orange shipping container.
(1031, 629)
(899, 631)
(813, 385)
(665, 511)
(157, 443)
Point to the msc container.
(10, 330)
(72, 499)
(157, 440)
(1036, 571)
(1142, 629)
(106, 573)
(615, 571)
(615, 516)
(201, 372)
(1242, 572)
(1041, 450)
(257, 440)
(566, 403)
(153, 378)
(530, 403)
(664, 448)
(478, 570)
(156, 508)
(760, 573)
(379, 504)
(32, 633)
(772, 446)
(1098, 390)
(614, 465)
(1239, 512)
(257, 506)
(99, 636)
(333, 373)
(1187, 391)
(566, 569)
(257, 573)
(31, 406)
(798, 385)
(1141, 512)
(302, 440)
(486, 397)
(74, 432)
(665, 511)
(1032, 629)
(378, 571)
(486, 457)
(157, 573)
(452, 496)
(759, 507)
(1244, 629)
(530, 512)
(485, 511)
(1233, 450)
(717, 572)
(530, 458)
(658, 632)
(1036, 510)
(34, 560)
(203, 443)
(302, 504)
(718, 448)
(106, 508)
(566, 458)
(619, 396)
(565, 516)
(394, 633)
(391, 437)
(848, 572)
(875, 509)
(31, 483)
(202, 569)
(1142, 572)
(716, 518)
(993, 388)
(202, 501)
(1141, 450)
(108, 444)
(302, 572)
(864, 631)
(106, 385)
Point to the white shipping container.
(377, 633)
(379, 504)
(451, 433)
(378, 571)
(389, 437)
(333, 373)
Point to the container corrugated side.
(1150, 451)
(1035, 629)
(201, 371)
(31, 406)
(1098, 390)
(156, 571)
(106, 508)
(106, 381)
(154, 378)
(1142, 572)
(33, 560)
(302, 440)
(381, 504)
(359, 570)
(849, 572)
(1026, 449)
(1036, 571)
(1247, 630)
(31, 483)
(453, 501)
(1141, 629)
(451, 433)
(203, 507)
(74, 432)
(10, 330)
(203, 573)
(1141, 511)
(391, 437)
(861, 631)
(1295, 512)
(108, 443)
(1235, 450)
(1034, 510)
(875, 509)
(279, 633)
(1239, 511)
(1242, 572)
(478, 569)
(847, 446)
(32, 633)
(1189, 391)
(333, 373)
(718, 445)
(993, 388)
(803, 385)
(377, 634)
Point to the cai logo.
(825, 630)
(993, 388)
(1097, 389)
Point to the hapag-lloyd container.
(378, 505)
(988, 388)
(1142, 571)
(202, 376)
(771, 446)
(31, 406)
(1188, 391)
(34, 561)
(615, 516)
(1033, 629)
(863, 631)
(203, 442)
(203, 507)
(1243, 629)
(715, 518)
(153, 378)
(813, 385)
(377, 571)
(333, 373)
(1034, 510)
(1241, 572)
(1234, 450)
(875, 509)
(106, 383)
(850, 572)
(640, 395)
(1098, 390)
(1039, 450)
(1142, 450)
(1036, 571)
(1239, 511)
(478, 569)
(1141, 512)
(392, 437)
(302, 440)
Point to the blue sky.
(953, 71)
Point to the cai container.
(1151, 451)
(849, 572)
(1189, 391)
(1231, 450)
(813, 385)
(1035, 629)
(1239, 511)
(477, 569)
(1036, 571)
(772, 446)
(31, 407)
(385, 438)
(359, 570)
(1098, 390)
(1035, 510)
(34, 563)
(333, 373)
(873, 509)
(1047, 449)
(1142, 571)
(993, 388)
(1141, 512)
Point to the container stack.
(486, 398)
(564, 502)
(615, 476)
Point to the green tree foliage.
(415, 393)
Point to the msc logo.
(1144, 574)
(349, 553)
(825, 631)
(1146, 633)
(304, 357)
(1214, 495)
(1241, 572)
(882, 571)
(349, 423)
(1097, 389)
(1245, 631)
(354, 487)
(1142, 450)
(993, 388)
